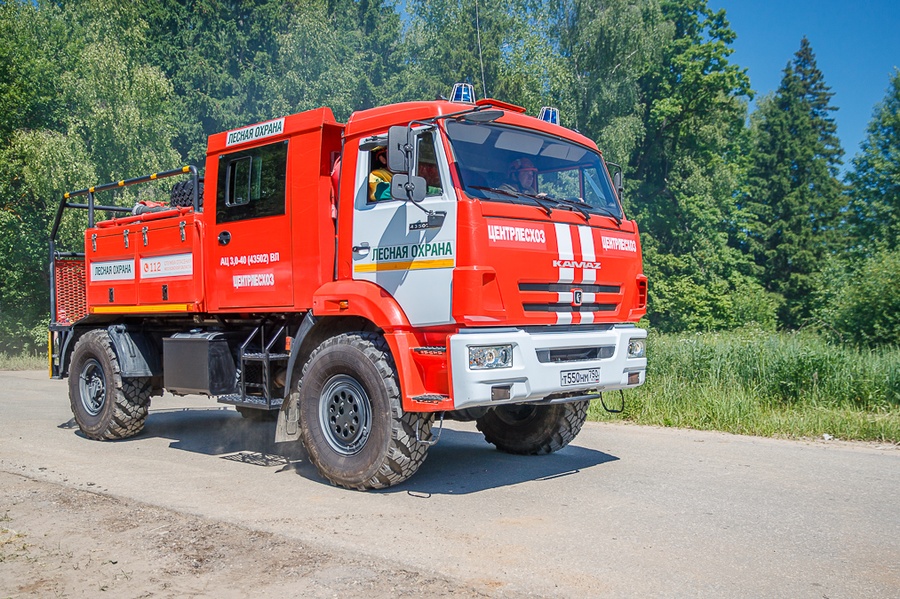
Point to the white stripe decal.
(563, 318)
(564, 247)
(587, 243)
(564, 241)
(586, 235)
(587, 317)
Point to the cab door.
(252, 233)
(395, 246)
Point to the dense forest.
(746, 216)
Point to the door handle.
(362, 248)
(224, 238)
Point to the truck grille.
(575, 354)
(560, 297)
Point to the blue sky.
(857, 47)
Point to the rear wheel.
(106, 405)
(351, 420)
(533, 430)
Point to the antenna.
(480, 59)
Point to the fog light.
(493, 356)
(636, 348)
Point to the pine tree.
(793, 189)
(874, 182)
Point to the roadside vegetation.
(23, 361)
(757, 382)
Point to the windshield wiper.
(516, 194)
(576, 205)
(580, 206)
(609, 213)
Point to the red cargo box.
(149, 263)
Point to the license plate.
(585, 376)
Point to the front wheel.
(351, 420)
(105, 404)
(533, 430)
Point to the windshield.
(506, 164)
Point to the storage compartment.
(199, 363)
(148, 263)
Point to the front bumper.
(534, 376)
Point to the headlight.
(636, 348)
(493, 356)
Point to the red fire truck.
(494, 277)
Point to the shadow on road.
(461, 463)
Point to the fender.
(137, 353)
(360, 298)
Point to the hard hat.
(521, 164)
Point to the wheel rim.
(92, 387)
(515, 415)
(345, 414)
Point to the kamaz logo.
(576, 264)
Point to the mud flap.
(288, 427)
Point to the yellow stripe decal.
(410, 265)
(150, 308)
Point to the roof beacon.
(549, 114)
(463, 93)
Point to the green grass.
(769, 384)
(23, 361)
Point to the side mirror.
(617, 178)
(400, 149)
(404, 187)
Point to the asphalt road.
(625, 511)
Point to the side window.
(427, 166)
(252, 183)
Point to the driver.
(380, 177)
(522, 176)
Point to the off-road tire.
(533, 430)
(182, 194)
(351, 420)
(106, 405)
